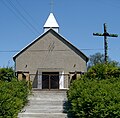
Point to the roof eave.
(14, 57)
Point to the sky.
(21, 21)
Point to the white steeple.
(51, 23)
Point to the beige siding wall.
(49, 52)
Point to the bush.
(97, 93)
(13, 96)
(95, 98)
(103, 71)
(6, 74)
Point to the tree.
(98, 58)
(103, 71)
(6, 74)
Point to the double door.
(50, 80)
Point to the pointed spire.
(51, 23)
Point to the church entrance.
(50, 80)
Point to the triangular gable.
(70, 45)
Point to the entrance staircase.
(45, 104)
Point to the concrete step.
(47, 99)
(42, 115)
(44, 110)
(47, 95)
(41, 107)
(45, 104)
(49, 91)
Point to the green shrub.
(13, 96)
(103, 71)
(6, 74)
(13, 93)
(97, 93)
(92, 98)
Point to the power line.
(17, 13)
(27, 13)
(6, 51)
(17, 10)
(6, 5)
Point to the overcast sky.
(21, 21)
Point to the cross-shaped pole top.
(105, 34)
(51, 5)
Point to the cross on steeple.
(105, 34)
(51, 6)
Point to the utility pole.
(105, 34)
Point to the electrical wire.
(5, 51)
(9, 5)
(26, 22)
(26, 12)
(25, 19)
(6, 5)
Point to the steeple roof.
(51, 22)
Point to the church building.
(50, 61)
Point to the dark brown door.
(50, 80)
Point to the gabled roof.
(51, 22)
(70, 45)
